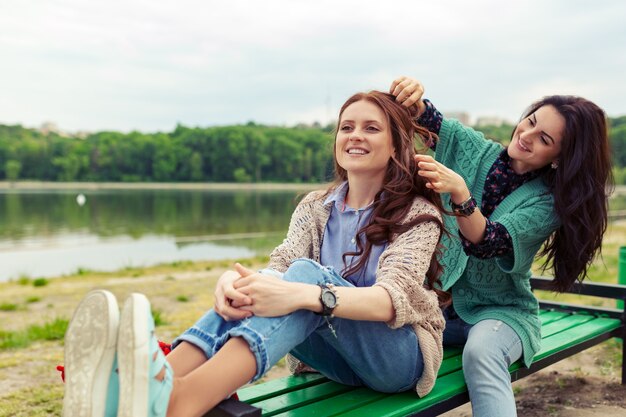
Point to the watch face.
(329, 299)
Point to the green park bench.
(566, 329)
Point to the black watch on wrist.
(464, 209)
(329, 299)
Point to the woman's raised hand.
(408, 91)
(441, 178)
(228, 300)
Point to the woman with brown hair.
(547, 188)
(352, 292)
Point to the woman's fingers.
(436, 186)
(239, 296)
(395, 89)
(407, 91)
(423, 158)
(243, 271)
(429, 166)
(230, 313)
(430, 175)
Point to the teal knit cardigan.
(496, 288)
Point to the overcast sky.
(147, 65)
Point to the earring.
(554, 165)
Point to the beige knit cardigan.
(401, 271)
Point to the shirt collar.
(338, 198)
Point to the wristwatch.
(329, 299)
(464, 209)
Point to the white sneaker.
(90, 349)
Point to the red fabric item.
(61, 369)
(165, 347)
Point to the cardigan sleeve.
(402, 271)
(496, 242)
(529, 226)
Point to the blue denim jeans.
(490, 348)
(359, 353)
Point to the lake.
(48, 233)
(45, 233)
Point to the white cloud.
(148, 65)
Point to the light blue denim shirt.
(340, 237)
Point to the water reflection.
(46, 233)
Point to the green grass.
(181, 264)
(54, 330)
(40, 282)
(38, 401)
(157, 315)
(32, 299)
(8, 307)
(23, 280)
(182, 299)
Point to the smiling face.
(536, 141)
(363, 144)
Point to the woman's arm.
(275, 297)
(444, 180)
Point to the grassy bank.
(34, 315)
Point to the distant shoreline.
(263, 186)
(53, 185)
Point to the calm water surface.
(47, 233)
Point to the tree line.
(241, 153)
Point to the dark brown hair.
(580, 184)
(400, 187)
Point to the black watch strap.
(464, 209)
(328, 299)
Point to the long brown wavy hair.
(581, 185)
(401, 185)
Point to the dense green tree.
(618, 145)
(12, 169)
(250, 152)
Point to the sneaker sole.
(90, 344)
(133, 351)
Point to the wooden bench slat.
(572, 336)
(450, 365)
(563, 324)
(279, 386)
(398, 405)
(298, 398)
(550, 316)
(335, 405)
(575, 335)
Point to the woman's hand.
(408, 91)
(442, 179)
(228, 299)
(271, 296)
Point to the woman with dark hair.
(352, 292)
(548, 187)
